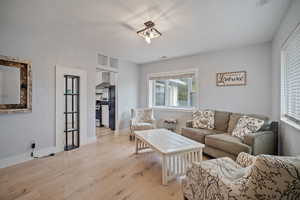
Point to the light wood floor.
(103, 131)
(105, 170)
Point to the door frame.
(60, 71)
(110, 69)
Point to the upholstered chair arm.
(204, 180)
(152, 121)
(245, 159)
(261, 142)
(133, 121)
(189, 124)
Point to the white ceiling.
(188, 26)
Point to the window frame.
(151, 90)
(283, 106)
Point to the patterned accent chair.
(262, 177)
(141, 119)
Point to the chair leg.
(131, 137)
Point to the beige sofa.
(220, 143)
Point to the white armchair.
(141, 119)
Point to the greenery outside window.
(173, 91)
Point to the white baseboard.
(17, 159)
(91, 140)
(13, 160)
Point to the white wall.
(289, 136)
(128, 91)
(22, 35)
(1, 86)
(253, 98)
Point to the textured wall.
(253, 98)
(22, 35)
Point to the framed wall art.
(238, 78)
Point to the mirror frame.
(25, 104)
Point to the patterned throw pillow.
(204, 119)
(247, 125)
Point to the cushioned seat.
(141, 119)
(142, 126)
(227, 143)
(198, 134)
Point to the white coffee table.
(177, 152)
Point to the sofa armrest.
(261, 142)
(245, 159)
(189, 124)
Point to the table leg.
(164, 170)
(136, 145)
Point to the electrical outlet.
(32, 145)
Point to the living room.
(178, 65)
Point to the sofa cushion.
(246, 126)
(221, 120)
(233, 119)
(142, 126)
(198, 134)
(204, 119)
(228, 143)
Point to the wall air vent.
(108, 61)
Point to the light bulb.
(148, 40)
(151, 34)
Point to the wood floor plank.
(107, 169)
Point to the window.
(291, 78)
(172, 91)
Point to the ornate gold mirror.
(15, 85)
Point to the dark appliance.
(111, 102)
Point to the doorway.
(106, 102)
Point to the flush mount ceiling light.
(149, 32)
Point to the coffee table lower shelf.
(173, 164)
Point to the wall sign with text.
(232, 78)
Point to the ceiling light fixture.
(149, 32)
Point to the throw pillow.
(247, 125)
(204, 119)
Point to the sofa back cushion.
(233, 119)
(246, 126)
(221, 120)
(204, 119)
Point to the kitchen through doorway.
(106, 106)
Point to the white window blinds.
(291, 81)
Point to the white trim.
(59, 103)
(105, 68)
(174, 109)
(186, 71)
(90, 140)
(17, 159)
(290, 123)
